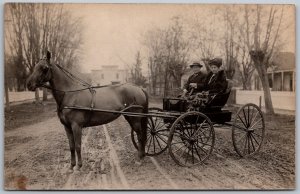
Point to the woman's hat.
(195, 64)
(216, 61)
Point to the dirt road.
(37, 157)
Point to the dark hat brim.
(196, 65)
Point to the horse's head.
(41, 73)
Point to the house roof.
(284, 61)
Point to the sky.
(113, 34)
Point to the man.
(216, 80)
(195, 81)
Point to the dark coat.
(216, 84)
(198, 78)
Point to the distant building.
(109, 74)
(282, 85)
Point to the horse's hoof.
(138, 163)
(77, 168)
(70, 170)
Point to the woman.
(216, 80)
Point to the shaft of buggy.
(132, 114)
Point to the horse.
(69, 94)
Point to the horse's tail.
(146, 105)
(145, 110)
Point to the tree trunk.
(6, 94)
(45, 93)
(37, 96)
(266, 88)
(258, 58)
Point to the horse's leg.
(77, 132)
(72, 146)
(136, 125)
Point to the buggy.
(185, 126)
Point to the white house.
(282, 84)
(109, 74)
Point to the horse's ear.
(48, 55)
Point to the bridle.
(76, 79)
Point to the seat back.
(221, 99)
(229, 86)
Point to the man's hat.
(196, 64)
(216, 61)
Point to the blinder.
(46, 71)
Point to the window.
(117, 76)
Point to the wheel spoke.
(245, 118)
(198, 153)
(240, 127)
(242, 121)
(248, 115)
(201, 148)
(255, 123)
(162, 139)
(183, 130)
(250, 120)
(183, 152)
(153, 143)
(253, 119)
(200, 127)
(250, 136)
(181, 134)
(148, 136)
(149, 145)
(193, 155)
(201, 132)
(257, 134)
(179, 148)
(160, 125)
(158, 142)
(196, 129)
(205, 144)
(241, 138)
(254, 139)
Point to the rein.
(74, 78)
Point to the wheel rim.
(191, 139)
(248, 130)
(157, 135)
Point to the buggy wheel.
(157, 134)
(192, 139)
(248, 130)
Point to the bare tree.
(168, 51)
(154, 44)
(37, 27)
(136, 72)
(14, 39)
(264, 43)
(231, 49)
(205, 35)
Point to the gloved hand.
(193, 85)
(184, 92)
